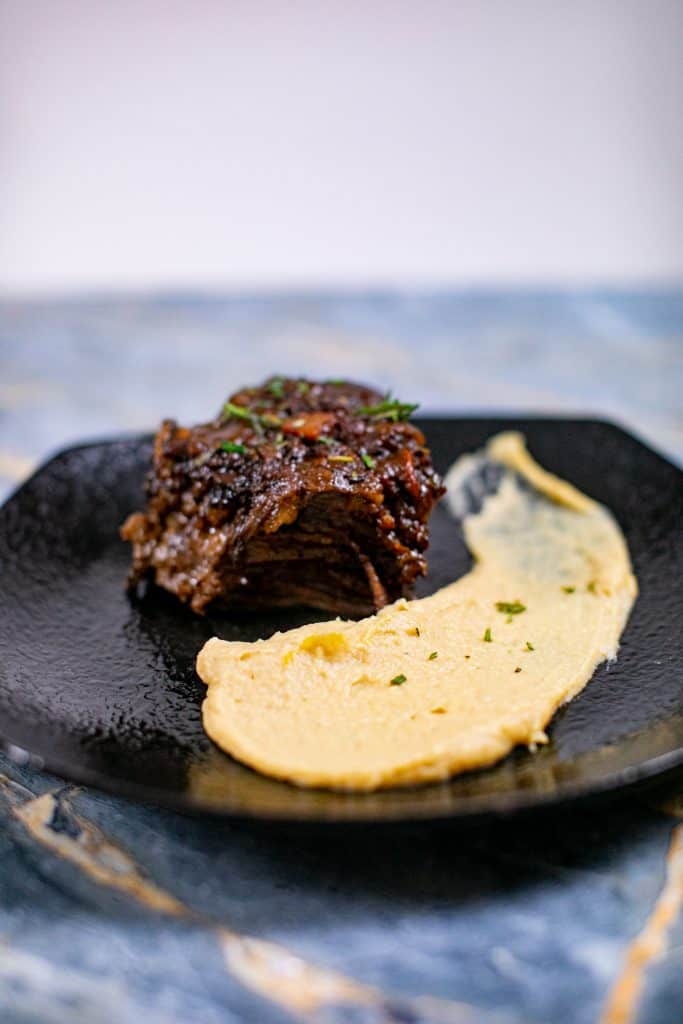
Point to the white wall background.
(159, 143)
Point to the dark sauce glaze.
(297, 493)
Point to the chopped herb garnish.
(231, 446)
(337, 382)
(510, 607)
(569, 590)
(518, 669)
(398, 680)
(341, 458)
(241, 413)
(417, 631)
(592, 588)
(487, 635)
(276, 387)
(530, 646)
(433, 655)
(389, 409)
(368, 460)
(238, 411)
(303, 386)
(326, 440)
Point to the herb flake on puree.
(365, 705)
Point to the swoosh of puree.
(429, 688)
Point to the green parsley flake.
(231, 446)
(337, 382)
(398, 680)
(487, 635)
(276, 387)
(238, 411)
(530, 646)
(510, 607)
(433, 655)
(389, 409)
(592, 587)
(368, 460)
(303, 386)
(326, 440)
(569, 590)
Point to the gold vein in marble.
(622, 1003)
(92, 853)
(265, 968)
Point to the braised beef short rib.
(297, 493)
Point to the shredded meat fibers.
(297, 493)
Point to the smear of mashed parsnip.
(432, 687)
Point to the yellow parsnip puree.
(317, 705)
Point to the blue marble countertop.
(114, 913)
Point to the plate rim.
(476, 809)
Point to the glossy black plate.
(101, 688)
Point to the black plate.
(101, 688)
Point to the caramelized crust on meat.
(297, 493)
